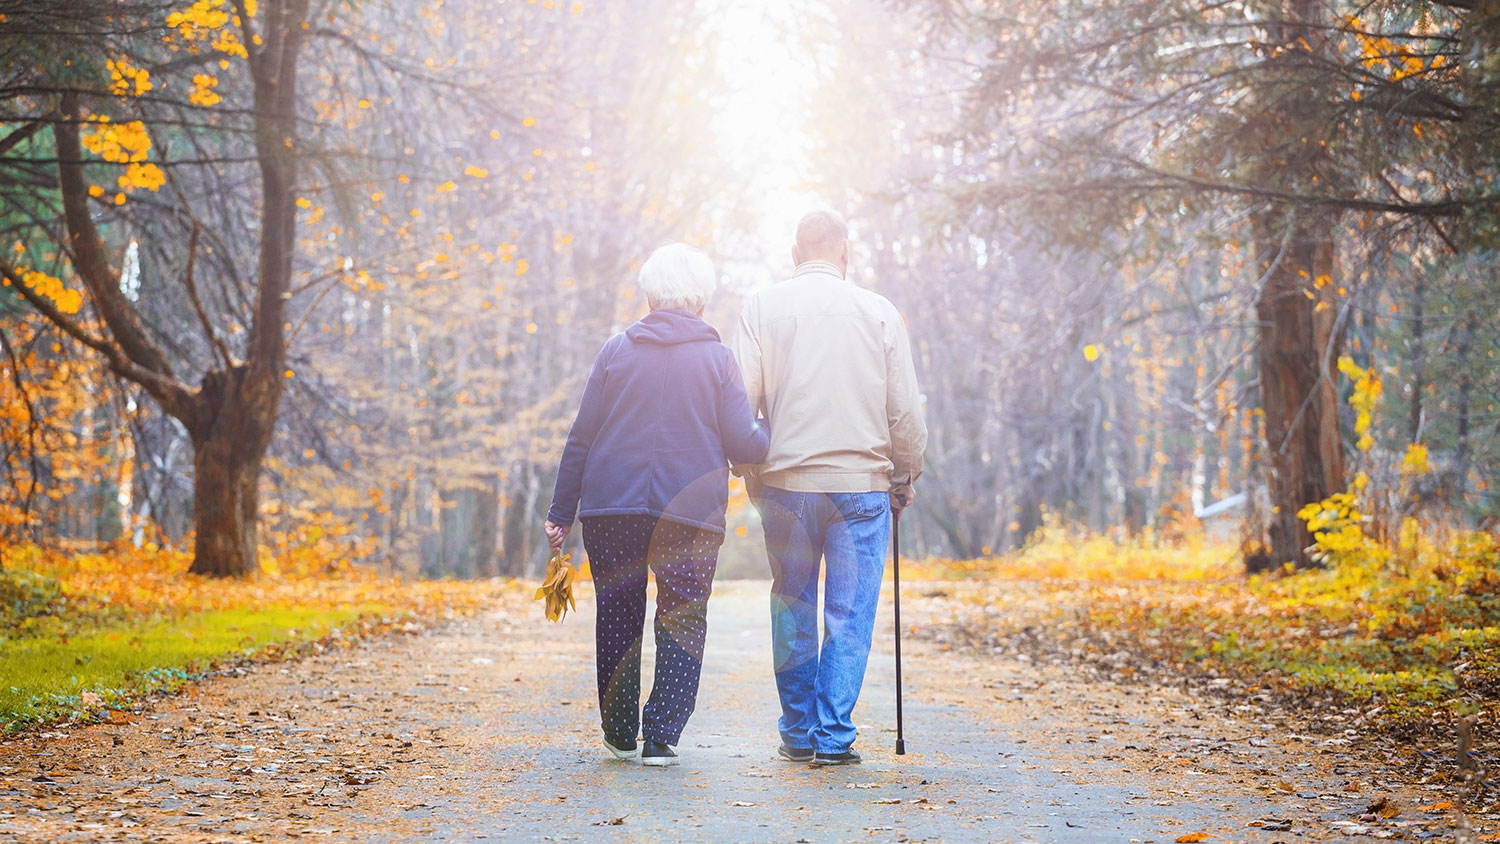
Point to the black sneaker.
(621, 748)
(848, 757)
(795, 754)
(658, 755)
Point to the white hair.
(678, 276)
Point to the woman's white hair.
(677, 276)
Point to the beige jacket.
(829, 365)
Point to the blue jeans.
(819, 687)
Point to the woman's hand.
(556, 535)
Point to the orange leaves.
(207, 22)
(119, 143)
(557, 587)
(203, 93)
(65, 395)
(67, 300)
(1399, 61)
(126, 79)
(143, 175)
(1191, 838)
(123, 143)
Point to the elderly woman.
(646, 469)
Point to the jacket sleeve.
(903, 407)
(746, 347)
(745, 439)
(569, 487)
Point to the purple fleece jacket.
(664, 412)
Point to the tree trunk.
(512, 561)
(1304, 450)
(1418, 364)
(1463, 453)
(225, 500)
(237, 418)
(487, 527)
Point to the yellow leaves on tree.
(207, 21)
(1381, 53)
(1367, 390)
(120, 143)
(123, 143)
(1416, 460)
(67, 300)
(203, 93)
(50, 401)
(146, 175)
(125, 78)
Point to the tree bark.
(225, 501)
(1418, 364)
(1304, 450)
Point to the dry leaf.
(557, 587)
(1192, 837)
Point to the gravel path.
(486, 729)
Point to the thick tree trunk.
(237, 411)
(225, 500)
(1304, 451)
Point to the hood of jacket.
(670, 328)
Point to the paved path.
(486, 729)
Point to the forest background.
(296, 287)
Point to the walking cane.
(896, 567)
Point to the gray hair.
(677, 276)
(821, 234)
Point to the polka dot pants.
(683, 559)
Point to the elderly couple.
(667, 408)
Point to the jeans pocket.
(868, 505)
(781, 505)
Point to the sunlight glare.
(763, 128)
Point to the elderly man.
(830, 367)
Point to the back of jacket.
(830, 366)
(663, 413)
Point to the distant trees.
(393, 233)
(1175, 175)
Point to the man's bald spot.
(821, 236)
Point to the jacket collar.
(822, 267)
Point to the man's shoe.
(795, 754)
(658, 755)
(621, 748)
(848, 757)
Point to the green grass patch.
(47, 678)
